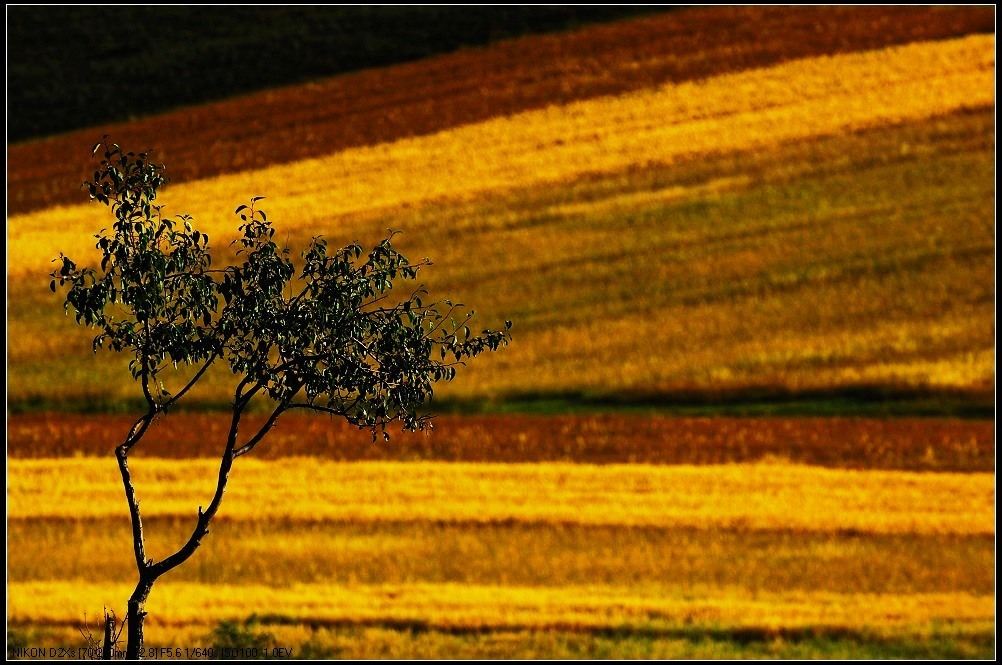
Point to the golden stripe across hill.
(473, 606)
(753, 496)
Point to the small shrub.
(235, 640)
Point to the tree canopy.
(333, 337)
(349, 333)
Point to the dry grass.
(338, 553)
(752, 110)
(516, 588)
(759, 496)
(476, 607)
(810, 270)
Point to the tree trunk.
(137, 603)
(109, 634)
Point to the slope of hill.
(828, 228)
(285, 125)
(101, 66)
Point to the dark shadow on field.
(874, 400)
(817, 640)
(612, 642)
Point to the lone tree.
(333, 337)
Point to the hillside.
(102, 66)
(828, 229)
(378, 105)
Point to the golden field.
(805, 224)
(761, 496)
(446, 606)
(775, 554)
(684, 239)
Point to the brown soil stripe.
(280, 126)
(906, 444)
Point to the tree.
(330, 338)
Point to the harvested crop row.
(759, 496)
(287, 125)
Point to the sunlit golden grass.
(763, 496)
(316, 583)
(844, 259)
(282, 553)
(476, 607)
(819, 273)
(748, 110)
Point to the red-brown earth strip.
(905, 444)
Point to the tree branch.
(122, 454)
(249, 446)
(191, 383)
(146, 384)
(316, 407)
(202, 524)
(240, 398)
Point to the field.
(558, 559)
(211, 46)
(748, 409)
(287, 124)
(900, 444)
(813, 272)
(528, 536)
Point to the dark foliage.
(327, 338)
